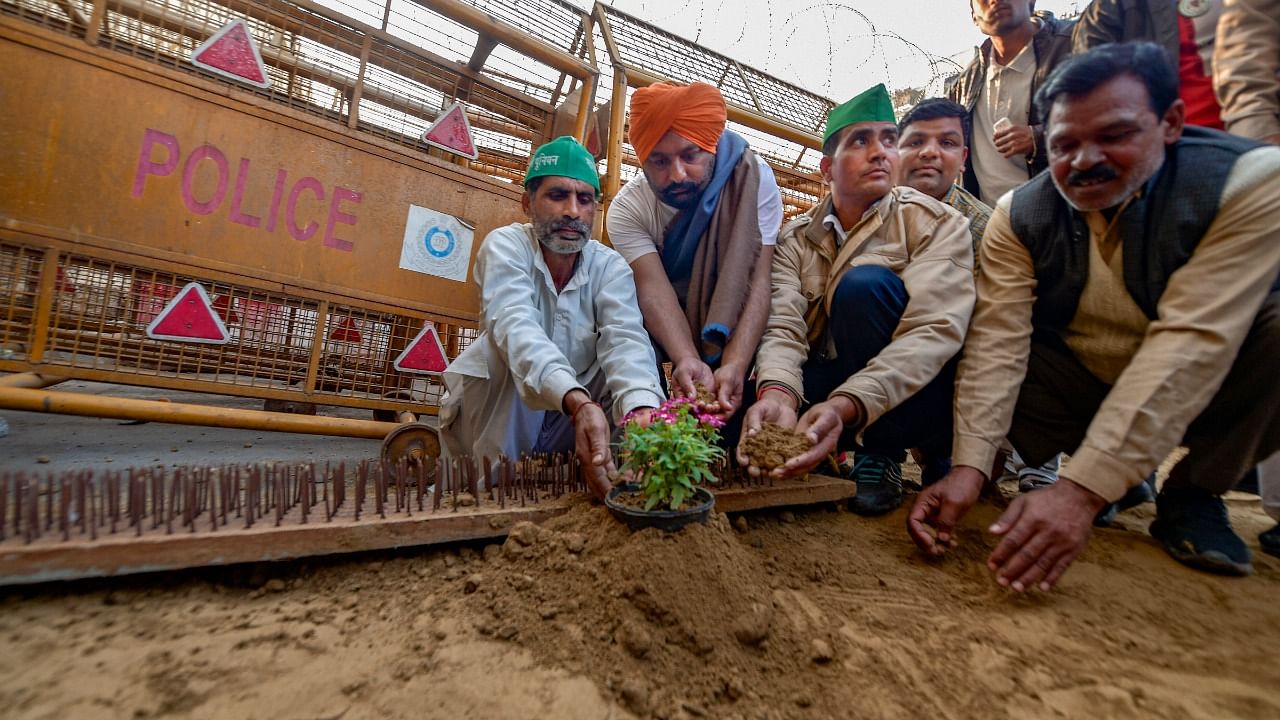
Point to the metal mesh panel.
(19, 284)
(69, 16)
(100, 310)
(661, 53)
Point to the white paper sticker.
(436, 244)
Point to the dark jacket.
(1052, 45)
(1159, 229)
(1114, 21)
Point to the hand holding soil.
(772, 446)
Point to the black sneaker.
(1270, 541)
(1143, 492)
(879, 481)
(1192, 525)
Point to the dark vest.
(1159, 230)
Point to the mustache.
(1097, 172)
(673, 189)
(574, 225)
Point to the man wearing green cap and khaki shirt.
(872, 292)
(561, 338)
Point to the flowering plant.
(671, 455)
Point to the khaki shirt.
(1181, 357)
(923, 242)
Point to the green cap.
(871, 105)
(564, 157)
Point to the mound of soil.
(636, 610)
(773, 445)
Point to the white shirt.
(538, 344)
(637, 218)
(1005, 93)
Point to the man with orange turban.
(698, 227)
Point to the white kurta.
(536, 345)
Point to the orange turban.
(696, 112)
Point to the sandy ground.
(815, 613)
(808, 613)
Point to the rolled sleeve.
(993, 363)
(785, 346)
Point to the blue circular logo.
(439, 242)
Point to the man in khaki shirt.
(931, 143)
(871, 293)
(1127, 303)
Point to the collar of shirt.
(833, 222)
(949, 196)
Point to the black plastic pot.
(697, 509)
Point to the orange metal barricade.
(130, 173)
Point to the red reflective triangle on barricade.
(346, 331)
(189, 317)
(452, 131)
(424, 355)
(232, 53)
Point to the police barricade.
(275, 199)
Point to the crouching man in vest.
(1127, 304)
(562, 352)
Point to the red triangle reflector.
(232, 53)
(424, 355)
(345, 331)
(189, 317)
(451, 131)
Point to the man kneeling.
(871, 293)
(1127, 303)
(561, 333)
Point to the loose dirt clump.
(633, 609)
(773, 445)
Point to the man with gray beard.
(1128, 303)
(562, 354)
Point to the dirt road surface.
(807, 613)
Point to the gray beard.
(560, 246)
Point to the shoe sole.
(1210, 561)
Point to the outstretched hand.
(688, 374)
(591, 445)
(772, 407)
(728, 391)
(941, 505)
(821, 425)
(1043, 533)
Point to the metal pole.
(65, 403)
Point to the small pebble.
(42, 459)
(787, 516)
(740, 524)
(820, 651)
